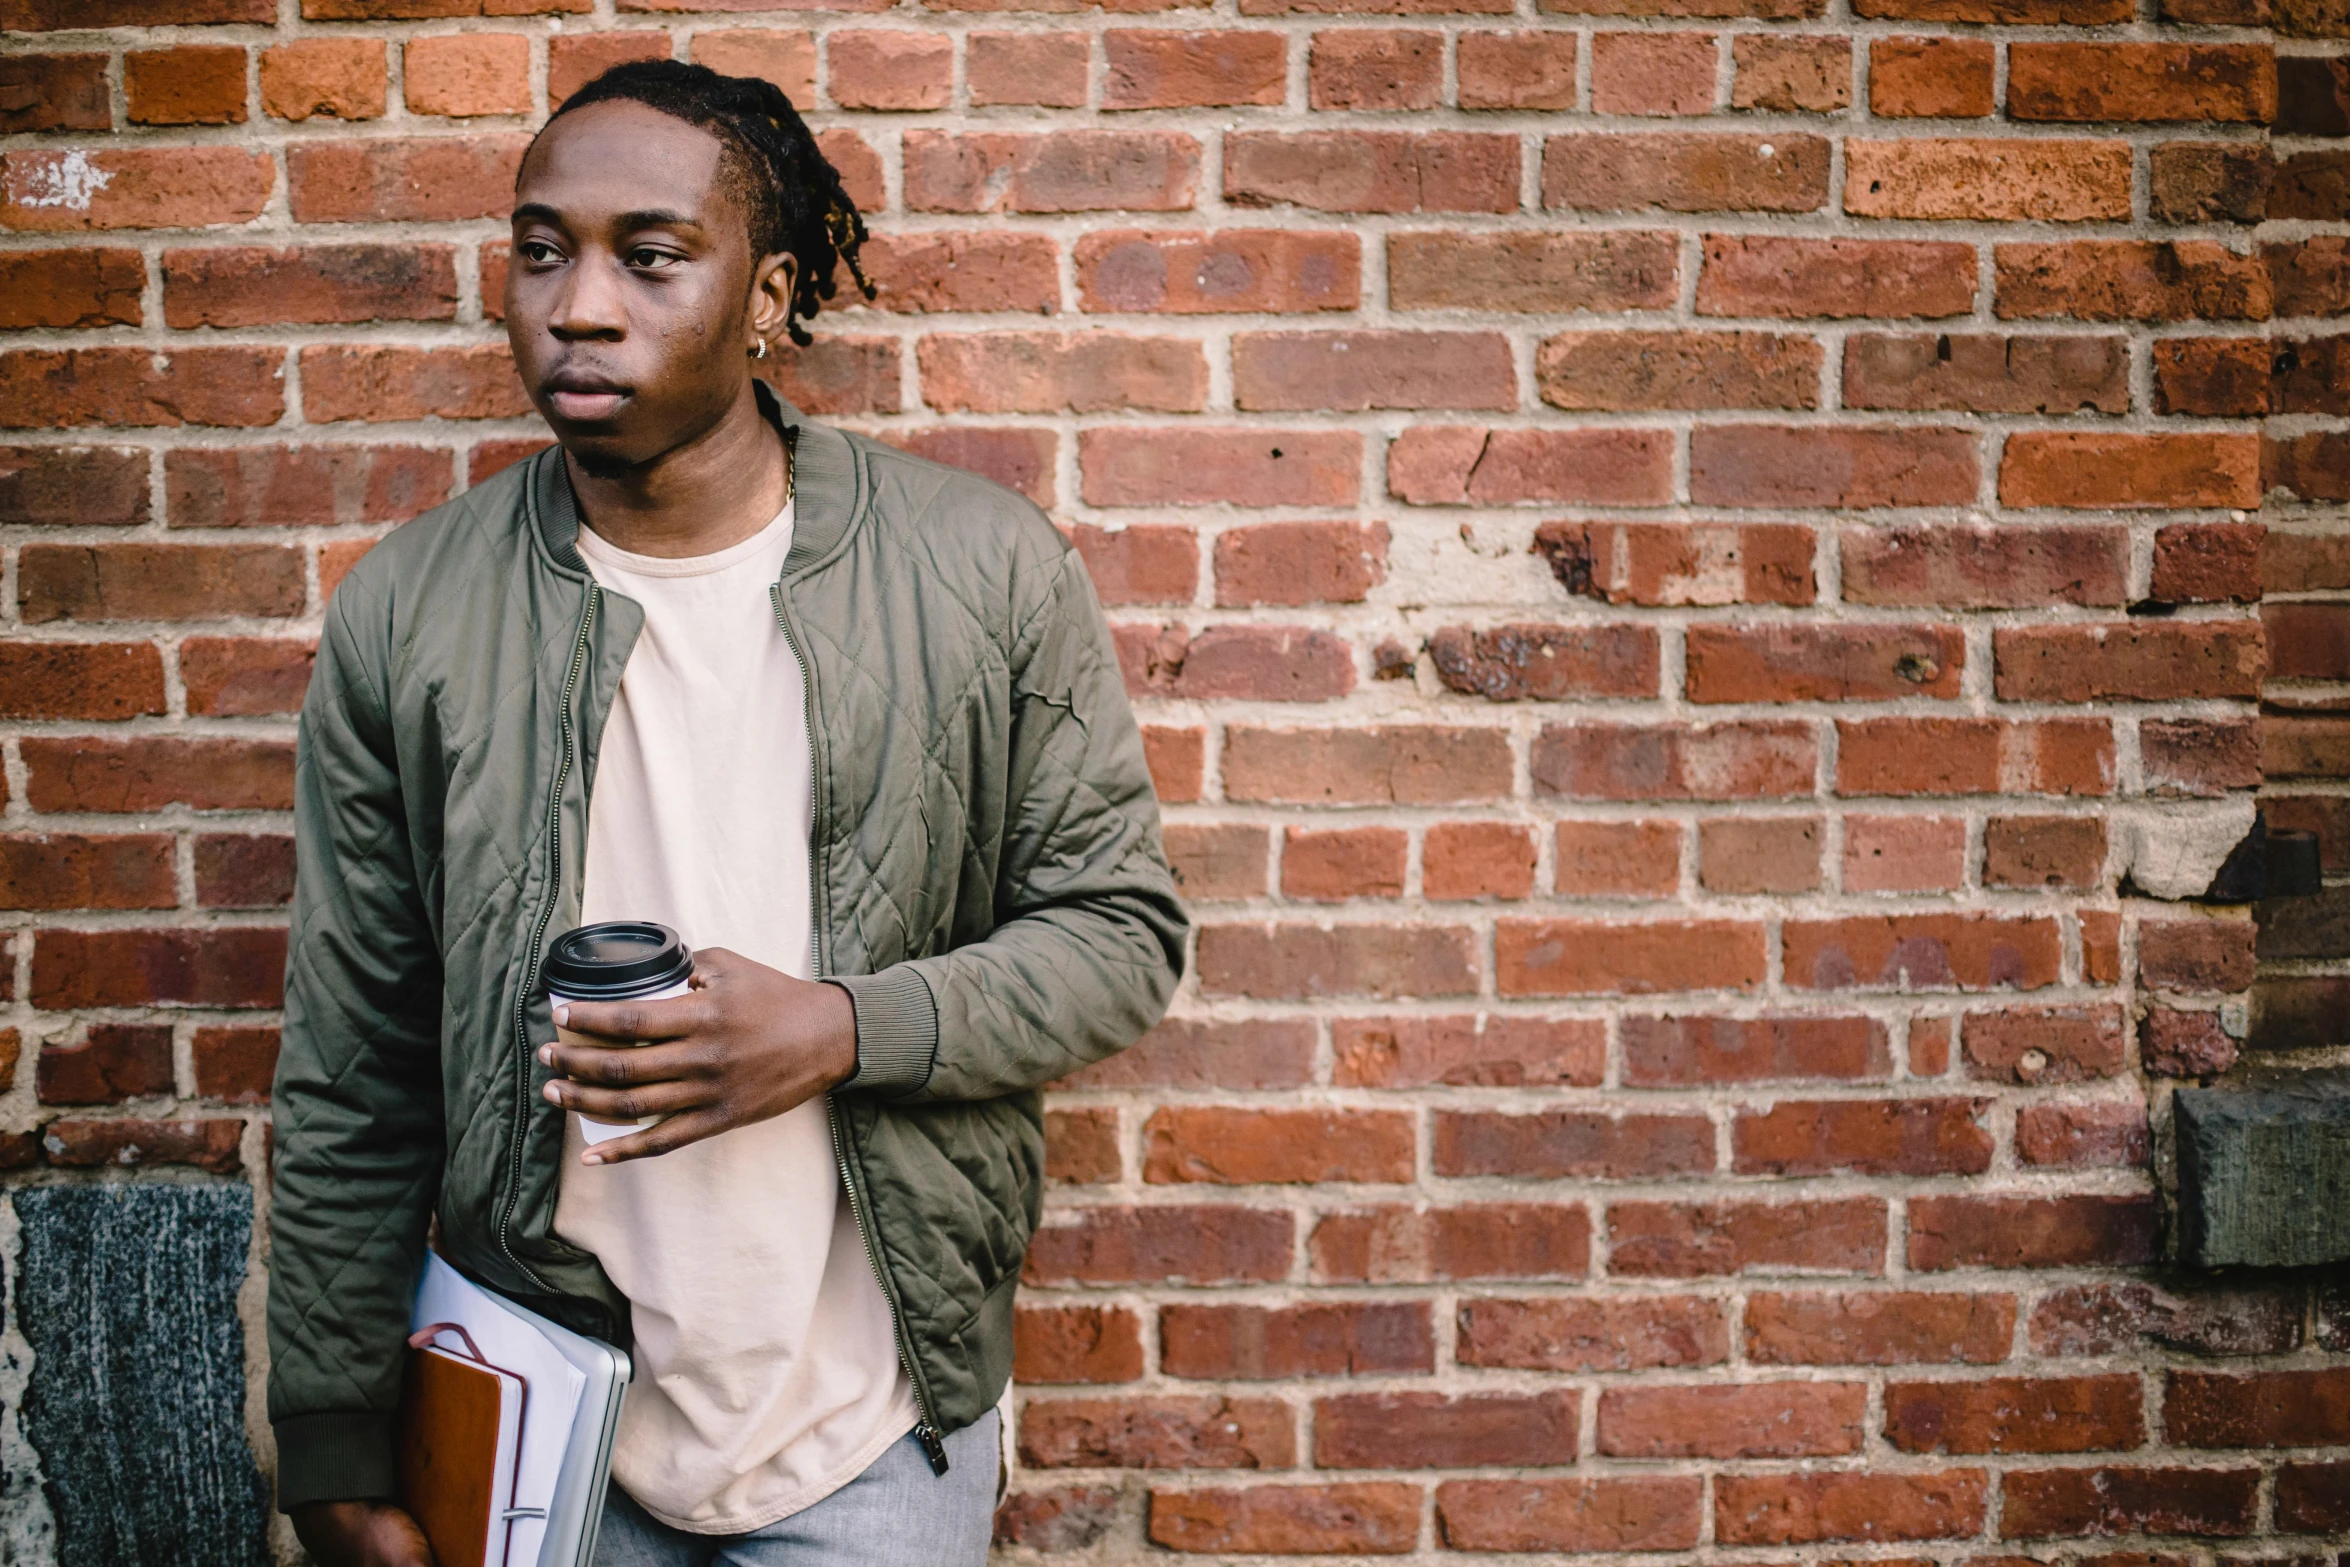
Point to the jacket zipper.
(530, 956)
(926, 1427)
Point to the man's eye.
(538, 252)
(649, 259)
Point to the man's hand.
(749, 1043)
(360, 1534)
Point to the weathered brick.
(1516, 70)
(1978, 567)
(2043, 1045)
(1864, 1136)
(1261, 1343)
(1157, 1433)
(2130, 280)
(2209, 182)
(1407, 764)
(1649, 370)
(2042, 1503)
(1197, 1245)
(132, 581)
(2045, 852)
(1725, 761)
(234, 287)
(235, 1064)
(893, 69)
(1299, 563)
(73, 486)
(1582, 958)
(1605, 270)
(2030, 1232)
(2015, 1415)
(1054, 372)
(1669, 1051)
(86, 871)
(1922, 952)
(1424, 1430)
(1652, 73)
(1617, 859)
(1791, 1509)
(1299, 962)
(436, 179)
(105, 681)
(1047, 70)
(1779, 275)
(467, 74)
(1982, 372)
(1378, 1517)
(1823, 663)
(1546, 662)
(1636, 1513)
(1997, 181)
(244, 871)
(2199, 756)
(1849, 466)
(1750, 1420)
(2084, 1136)
(2215, 378)
(1567, 1334)
(85, 773)
(66, 388)
(1728, 1238)
(2141, 81)
(1184, 1053)
(1915, 756)
(1790, 75)
(1366, 68)
(1481, 1241)
(2136, 662)
(1931, 78)
(1879, 1328)
(1681, 563)
(1067, 171)
(1684, 172)
(944, 271)
(1467, 1051)
(208, 1144)
(1372, 171)
(786, 57)
(1460, 465)
(229, 966)
(71, 288)
(1189, 466)
(1554, 1145)
(1353, 371)
(1903, 854)
(1231, 270)
(1085, 1344)
(193, 84)
(338, 78)
(62, 92)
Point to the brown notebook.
(460, 1433)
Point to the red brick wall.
(1668, 559)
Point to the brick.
(1546, 662)
(1634, 1513)
(1549, 272)
(1351, 371)
(1401, 764)
(301, 486)
(2175, 1043)
(1164, 69)
(2209, 83)
(2299, 562)
(2101, 940)
(2309, 185)
(105, 681)
(785, 57)
(1484, 1051)
(2042, 1503)
(1296, 563)
(1457, 465)
(2172, 470)
(1301, 962)
(1047, 70)
(1256, 1147)
(1379, 1518)
(1684, 172)
(73, 486)
(1570, 1334)
(1444, 1431)
(576, 59)
(1324, 1339)
(1068, 171)
(1673, 1051)
(1157, 1433)
(208, 1145)
(1999, 181)
(1481, 1241)
(837, 375)
(433, 179)
(221, 387)
(2130, 280)
(1928, 756)
(1189, 466)
(1654, 370)
(1823, 663)
(1187, 1053)
(1863, 1136)
(1230, 270)
(467, 74)
(1904, 853)
(392, 383)
(1140, 565)
(2089, 1136)
(1263, 663)
(1054, 372)
(2209, 182)
(934, 271)
(71, 288)
(2313, 1498)
(229, 966)
(2198, 756)
(46, 15)
(1585, 958)
(1782, 10)
(2132, 663)
(1921, 952)
(1515, 70)
(1790, 1509)
(102, 582)
(1372, 171)
(2043, 1045)
(1780, 275)
(2046, 852)
(1984, 567)
(1724, 761)
(55, 92)
(859, 167)
(1569, 1144)
(2196, 954)
(1198, 1245)
(1878, 1328)
(1986, 372)
(2015, 1415)
(82, 773)
(2030, 1232)
(1852, 466)
(2311, 95)
(1353, 862)
(114, 1062)
(244, 871)
(2314, 467)
(333, 78)
(1373, 69)
(195, 84)
(889, 69)
(1218, 862)
(235, 1064)
(1753, 1420)
(1930, 78)
(1790, 75)
(2215, 378)
(1681, 563)
(1617, 859)
(1701, 1239)
(2310, 277)
(1929, 1046)
(234, 287)
(1056, 1518)
(2310, 374)
(1652, 73)
(78, 871)
(2306, 641)
(1076, 1344)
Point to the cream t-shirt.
(767, 1367)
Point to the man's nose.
(590, 303)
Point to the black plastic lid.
(616, 961)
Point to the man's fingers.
(675, 1132)
(628, 1104)
(633, 1020)
(625, 1066)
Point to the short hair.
(791, 193)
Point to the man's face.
(629, 302)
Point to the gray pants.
(896, 1514)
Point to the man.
(850, 722)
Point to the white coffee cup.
(616, 960)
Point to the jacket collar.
(824, 489)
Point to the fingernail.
(554, 1094)
(546, 1055)
(591, 1158)
(562, 1014)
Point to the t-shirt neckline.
(602, 551)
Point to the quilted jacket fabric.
(989, 885)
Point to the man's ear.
(772, 284)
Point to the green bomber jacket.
(988, 881)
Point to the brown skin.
(634, 305)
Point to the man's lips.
(583, 399)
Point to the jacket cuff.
(334, 1457)
(897, 1029)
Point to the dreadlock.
(793, 195)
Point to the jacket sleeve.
(1089, 939)
(358, 1091)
